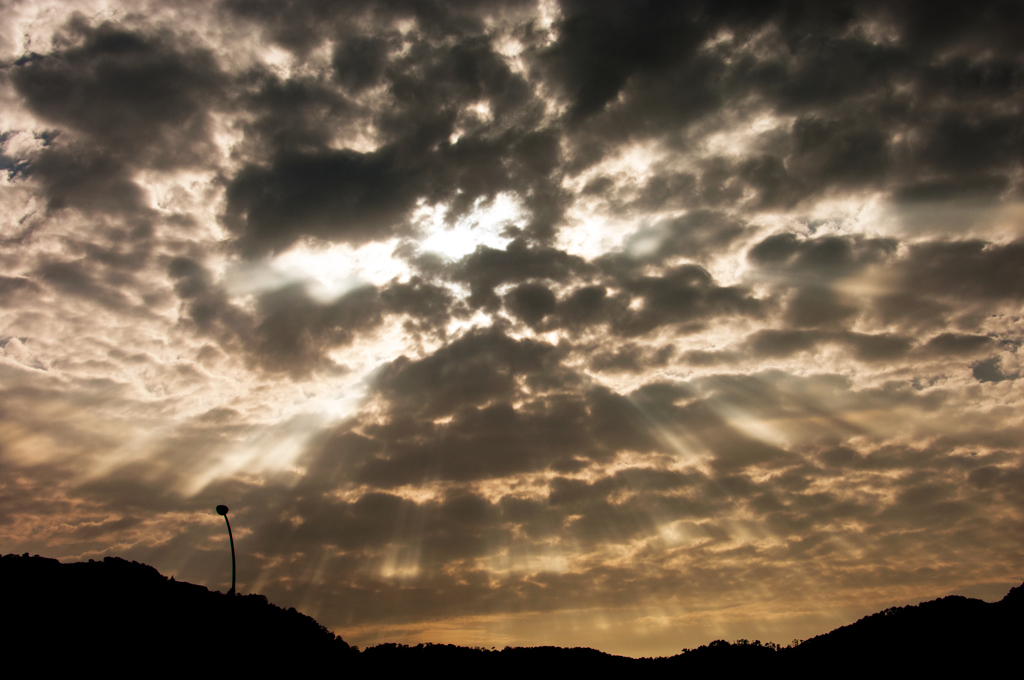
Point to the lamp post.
(223, 511)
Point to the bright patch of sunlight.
(634, 163)
(401, 561)
(328, 272)
(739, 140)
(550, 13)
(511, 49)
(278, 60)
(590, 235)
(519, 562)
(266, 449)
(300, 416)
(862, 213)
(483, 226)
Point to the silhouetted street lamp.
(223, 510)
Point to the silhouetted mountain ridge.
(952, 630)
(115, 611)
(128, 613)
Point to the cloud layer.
(580, 323)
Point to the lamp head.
(222, 510)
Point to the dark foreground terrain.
(124, 617)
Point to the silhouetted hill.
(120, 615)
(125, 616)
(939, 635)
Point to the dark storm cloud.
(13, 288)
(428, 534)
(436, 79)
(673, 406)
(89, 179)
(987, 80)
(602, 45)
(824, 258)
(296, 331)
(683, 295)
(818, 307)
(553, 426)
(957, 144)
(633, 72)
(825, 68)
(206, 307)
(351, 196)
(629, 80)
(141, 101)
(822, 400)
(359, 62)
(304, 188)
(601, 51)
(297, 114)
(489, 267)
(124, 100)
(436, 147)
(653, 494)
(992, 24)
(877, 347)
(686, 296)
(816, 311)
(139, 97)
(525, 162)
(839, 152)
(333, 195)
(973, 270)
(939, 280)
(631, 358)
(646, 70)
(990, 370)
(289, 332)
(982, 189)
(699, 357)
(773, 343)
(911, 311)
(76, 278)
(531, 302)
(355, 197)
(490, 442)
(957, 344)
(479, 367)
(586, 306)
(429, 305)
(370, 522)
(600, 513)
(863, 346)
(969, 140)
(595, 512)
(105, 263)
(939, 489)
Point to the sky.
(581, 323)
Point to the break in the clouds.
(625, 325)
